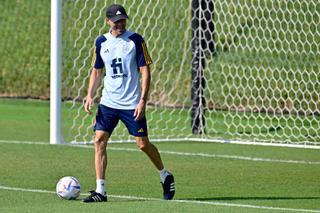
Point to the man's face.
(118, 27)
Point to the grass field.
(210, 177)
(177, 123)
(267, 54)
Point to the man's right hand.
(88, 105)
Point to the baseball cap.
(116, 12)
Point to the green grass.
(32, 166)
(215, 181)
(34, 116)
(25, 48)
(24, 120)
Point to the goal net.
(222, 70)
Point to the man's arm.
(94, 82)
(145, 84)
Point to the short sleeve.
(97, 59)
(142, 54)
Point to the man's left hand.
(140, 110)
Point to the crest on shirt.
(126, 48)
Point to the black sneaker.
(168, 187)
(95, 197)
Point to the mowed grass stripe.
(234, 157)
(179, 201)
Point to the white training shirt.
(121, 56)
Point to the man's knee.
(143, 147)
(143, 143)
(100, 139)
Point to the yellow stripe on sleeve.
(93, 57)
(146, 54)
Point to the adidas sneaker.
(95, 197)
(168, 187)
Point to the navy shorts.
(107, 119)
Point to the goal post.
(55, 72)
(237, 71)
(202, 45)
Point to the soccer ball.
(68, 188)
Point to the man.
(124, 56)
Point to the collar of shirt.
(112, 36)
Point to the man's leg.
(144, 145)
(100, 157)
(100, 160)
(167, 179)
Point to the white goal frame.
(55, 73)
